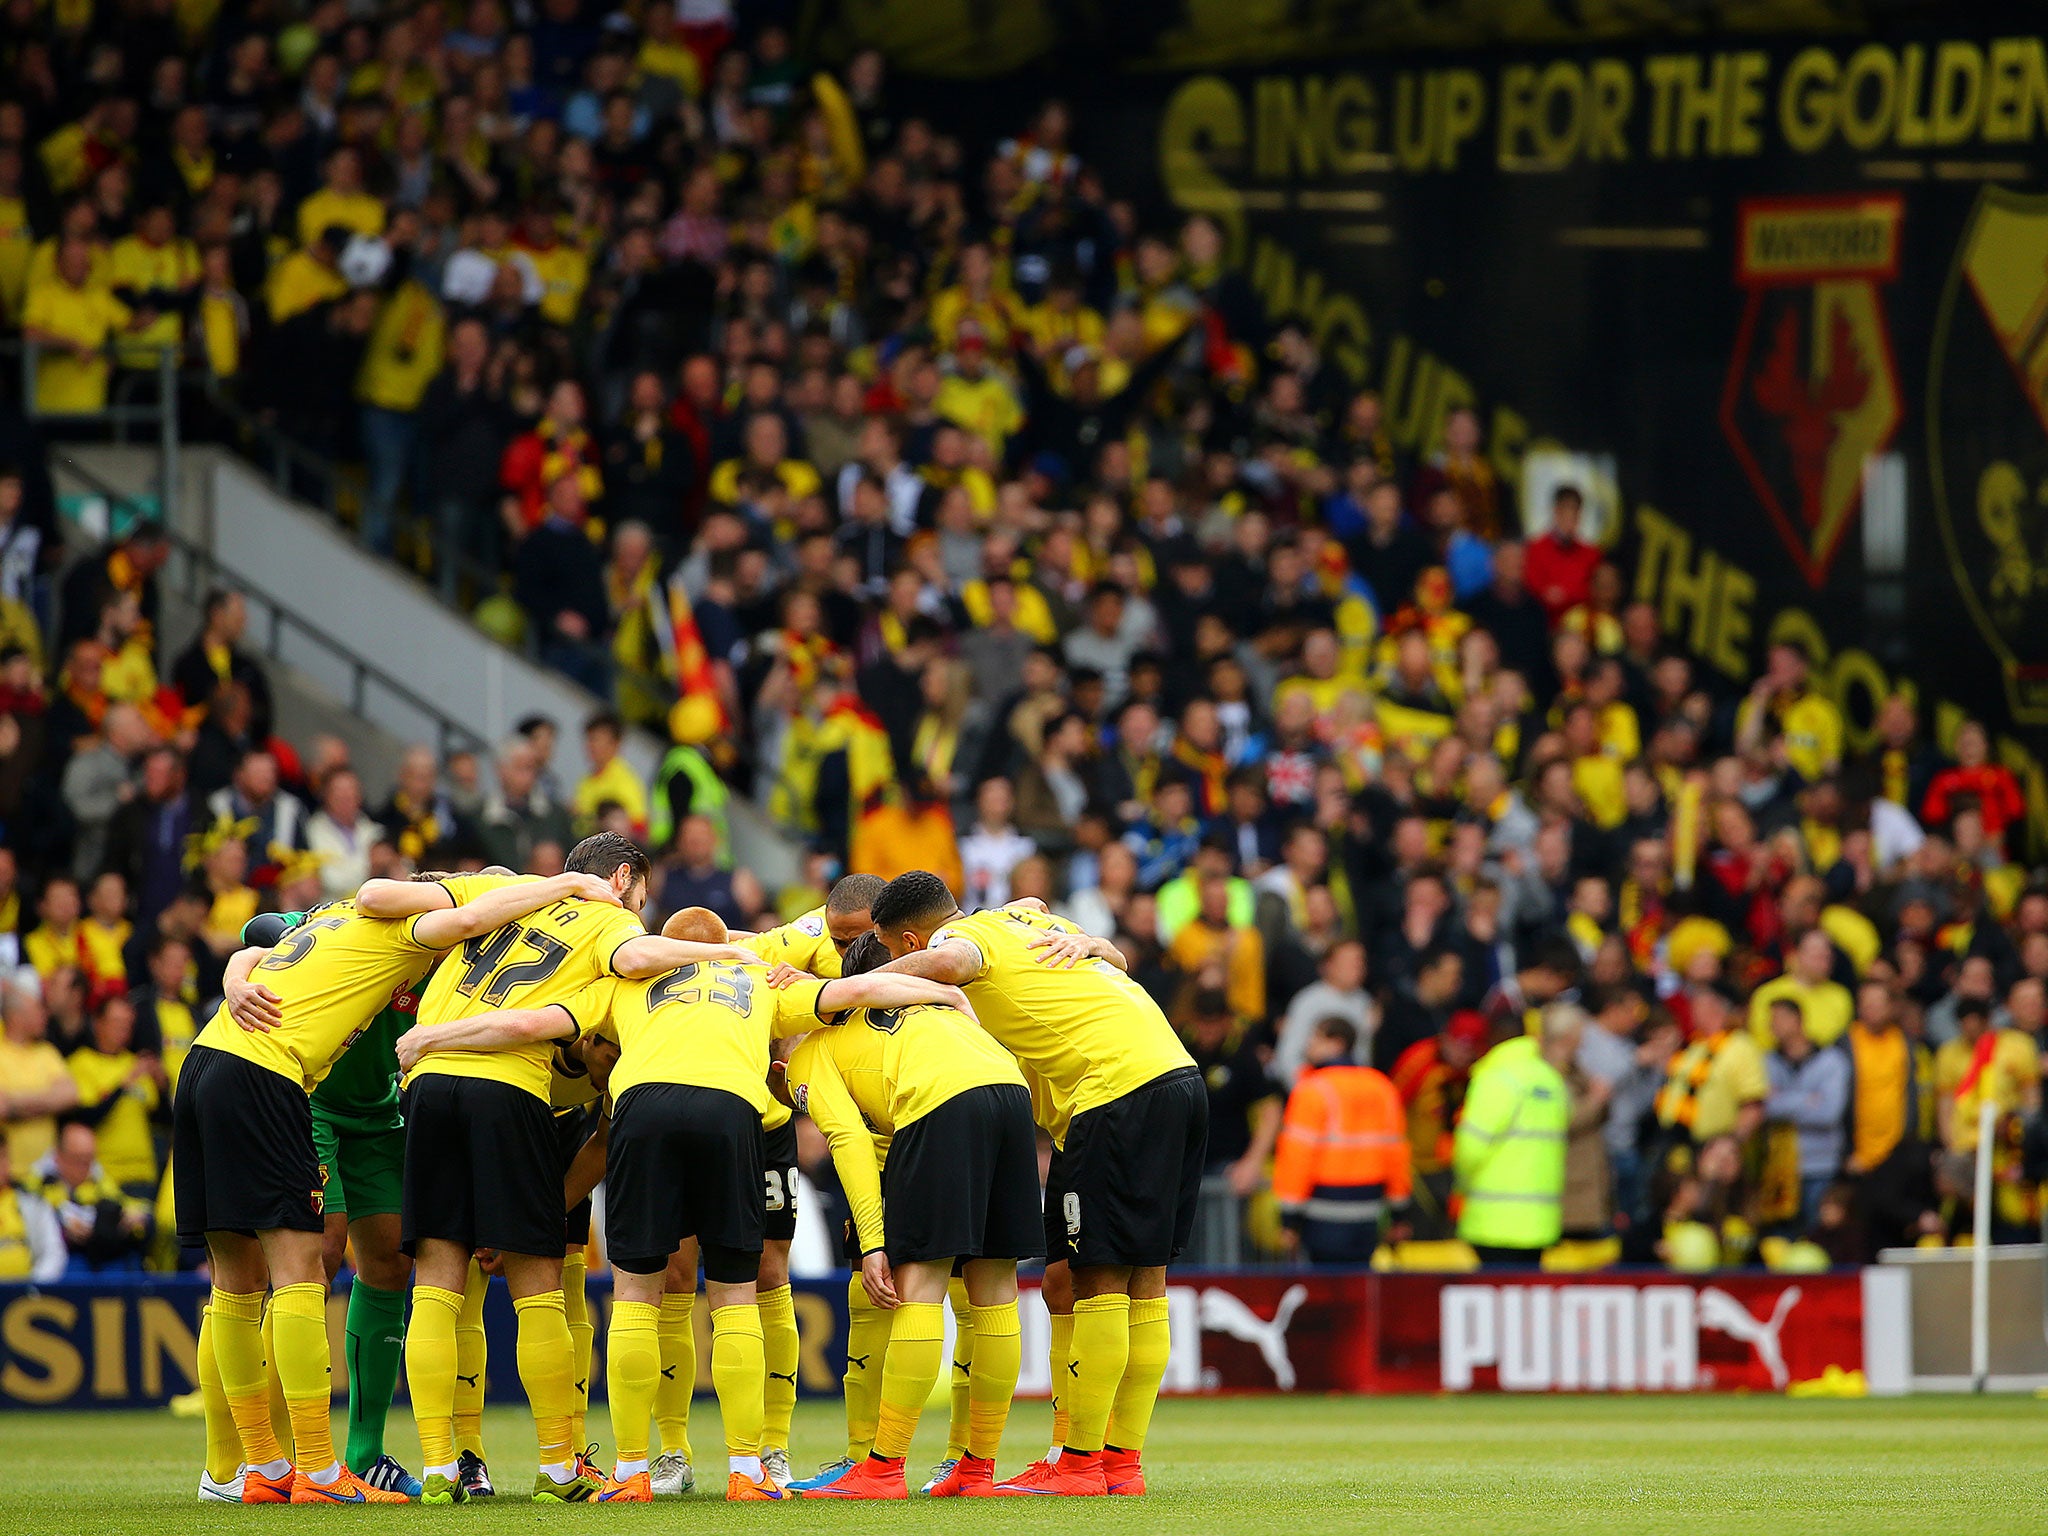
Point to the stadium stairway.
(353, 644)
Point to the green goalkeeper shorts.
(364, 1170)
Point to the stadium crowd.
(968, 523)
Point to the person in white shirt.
(1339, 994)
(993, 848)
(341, 834)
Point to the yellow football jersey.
(1089, 1033)
(884, 1068)
(806, 944)
(554, 957)
(333, 973)
(705, 1026)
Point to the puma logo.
(779, 1376)
(583, 1386)
(857, 1362)
(467, 1381)
(1724, 1314)
(668, 1373)
(962, 1367)
(1074, 1368)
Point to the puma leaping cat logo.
(1225, 1313)
(1724, 1314)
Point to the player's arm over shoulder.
(957, 954)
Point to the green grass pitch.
(1279, 1466)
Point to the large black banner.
(1796, 295)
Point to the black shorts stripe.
(1124, 1188)
(962, 1181)
(242, 1157)
(572, 1130)
(779, 1180)
(682, 1162)
(483, 1167)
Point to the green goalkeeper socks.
(376, 1342)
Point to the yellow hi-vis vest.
(1508, 1159)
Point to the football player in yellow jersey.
(483, 1165)
(961, 1184)
(579, 1074)
(815, 943)
(1129, 1119)
(247, 1179)
(689, 1090)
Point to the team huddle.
(438, 1073)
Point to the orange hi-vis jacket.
(1343, 1152)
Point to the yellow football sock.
(633, 1367)
(957, 1426)
(1061, 1352)
(576, 1307)
(223, 1440)
(867, 1341)
(472, 1360)
(992, 1379)
(1102, 1348)
(280, 1415)
(678, 1332)
(433, 1352)
(547, 1371)
(779, 1345)
(1130, 1414)
(244, 1381)
(739, 1374)
(305, 1366)
(917, 1348)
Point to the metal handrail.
(289, 464)
(284, 454)
(206, 569)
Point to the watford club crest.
(1987, 435)
(1812, 390)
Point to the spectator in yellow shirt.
(79, 218)
(976, 399)
(35, 1085)
(118, 1092)
(73, 317)
(1825, 1006)
(1716, 1085)
(611, 778)
(154, 269)
(980, 297)
(1062, 322)
(341, 200)
(221, 324)
(403, 355)
(1782, 703)
(767, 448)
(1981, 1061)
(1210, 939)
(307, 277)
(563, 266)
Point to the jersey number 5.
(298, 944)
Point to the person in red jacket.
(1996, 791)
(1559, 566)
(1342, 1159)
